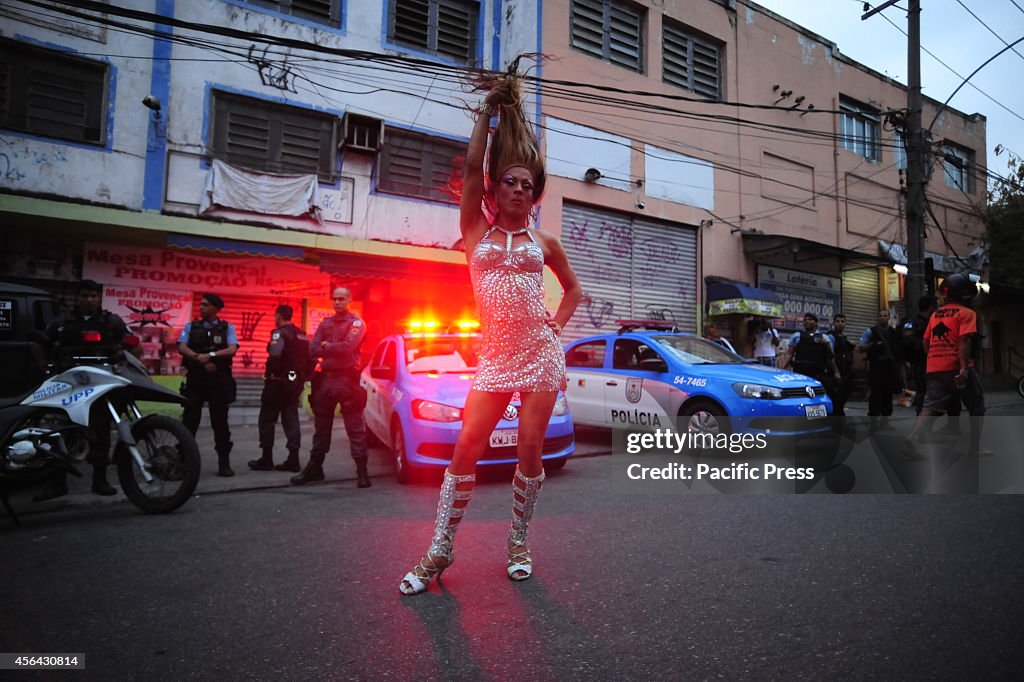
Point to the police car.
(416, 385)
(645, 377)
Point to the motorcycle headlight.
(561, 406)
(757, 391)
(435, 412)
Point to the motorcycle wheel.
(172, 458)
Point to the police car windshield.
(441, 354)
(694, 350)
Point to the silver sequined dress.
(520, 352)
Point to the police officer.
(335, 382)
(880, 344)
(810, 353)
(207, 345)
(285, 376)
(66, 332)
(842, 348)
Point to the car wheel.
(555, 464)
(706, 417)
(402, 472)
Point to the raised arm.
(471, 217)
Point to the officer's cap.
(214, 300)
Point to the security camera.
(151, 102)
(641, 204)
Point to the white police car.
(647, 379)
(417, 385)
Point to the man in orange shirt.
(950, 369)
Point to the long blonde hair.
(513, 142)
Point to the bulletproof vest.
(883, 351)
(203, 340)
(810, 356)
(843, 350)
(288, 351)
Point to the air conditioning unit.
(362, 133)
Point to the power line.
(968, 9)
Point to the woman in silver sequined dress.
(520, 350)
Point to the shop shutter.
(860, 300)
(665, 272)
(629, 269)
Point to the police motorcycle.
(45, 432)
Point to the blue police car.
(417, 385)
(648, 378)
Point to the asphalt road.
(301, 583)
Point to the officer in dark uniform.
(285, 376)
(810, 353)
(66, 333)
(207, 345)
(880, 344)
(842, 349)
(335, 381)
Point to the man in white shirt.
(766, 343)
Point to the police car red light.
(91, 337)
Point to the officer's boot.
(290, 464)
(264, 463)
(362, 475)
(224, 463)
(313, 471)
(99, 481)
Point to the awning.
(230, 246)
(729, 298)
(362, 265)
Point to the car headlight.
(435, 412)
(757, 391)
(561, 406)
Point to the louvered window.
(609, 30)
(446, 28)
(692, 62)
(52, 94)
(271, 137)
(419, 165)
(321, 11)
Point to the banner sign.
(124, 266)
(802, 292)
(148, 307)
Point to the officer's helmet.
(959, 288)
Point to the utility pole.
(916, 158)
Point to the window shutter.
(323, 11)
(274, 138)
(588, 26)
(411, 22)
(691, 62)
(625, 41)
(456, 30)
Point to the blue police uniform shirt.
(795, 339)
(231, 340)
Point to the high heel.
(525, 492)
(450, 507)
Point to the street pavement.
(339, 467)
(301, 584)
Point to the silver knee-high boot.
(456, 492)
(525, 491)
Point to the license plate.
(815, 411)
(503, 438)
